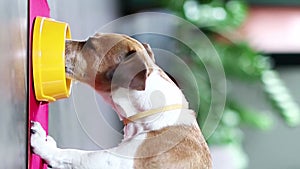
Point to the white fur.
(121, 157)
(158, 93)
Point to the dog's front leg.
(46, 148)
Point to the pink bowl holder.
(37, 111)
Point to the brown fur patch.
(175, 147)
(102, 55)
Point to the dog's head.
(108, 61)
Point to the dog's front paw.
(41, 144)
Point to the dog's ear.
(132, 72)
(149, 51)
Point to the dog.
(160, 131)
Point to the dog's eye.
(129, 55)
(109, 74)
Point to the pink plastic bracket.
(37, 111)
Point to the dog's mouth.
(69, 67)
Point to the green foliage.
(240, 62)
(215, 14)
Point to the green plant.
(241, 63)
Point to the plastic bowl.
(48, 59)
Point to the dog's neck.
(159, 92)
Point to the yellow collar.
(151, 112)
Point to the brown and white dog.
(160, 130)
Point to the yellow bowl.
(48, 59)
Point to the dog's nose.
(68, 70)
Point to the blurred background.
(258, 42)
